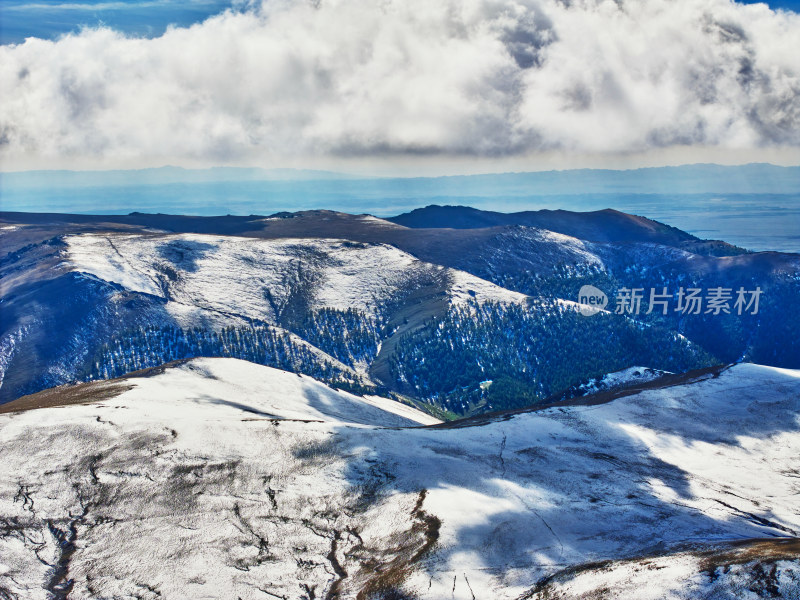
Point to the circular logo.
(592, 300)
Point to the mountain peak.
(606, 225)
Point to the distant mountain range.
(427, 313)
(753, 206)
(599, 226)
(685, 179)
(159, 176)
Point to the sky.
(48, 19)
(398, 86)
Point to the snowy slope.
(212, 386)
(613, 381)
(221, 479)
(256, 278)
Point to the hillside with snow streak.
(259, 279)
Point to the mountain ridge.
(607, 225)
(205, 467)
(365, 303)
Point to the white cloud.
(410, 77)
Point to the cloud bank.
(354, 78)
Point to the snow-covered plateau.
(217, 478)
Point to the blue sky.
(784, 4)
(147, 18)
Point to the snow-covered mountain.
(258, 279)
(92, 289)
(368, 304)
(216, 478)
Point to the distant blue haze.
(754, 206)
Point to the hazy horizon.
(753, 206)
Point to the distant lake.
(767, 221)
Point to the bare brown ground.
(763, 551)
(82, 393)
(385, 580)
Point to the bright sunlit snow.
(220, 478)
